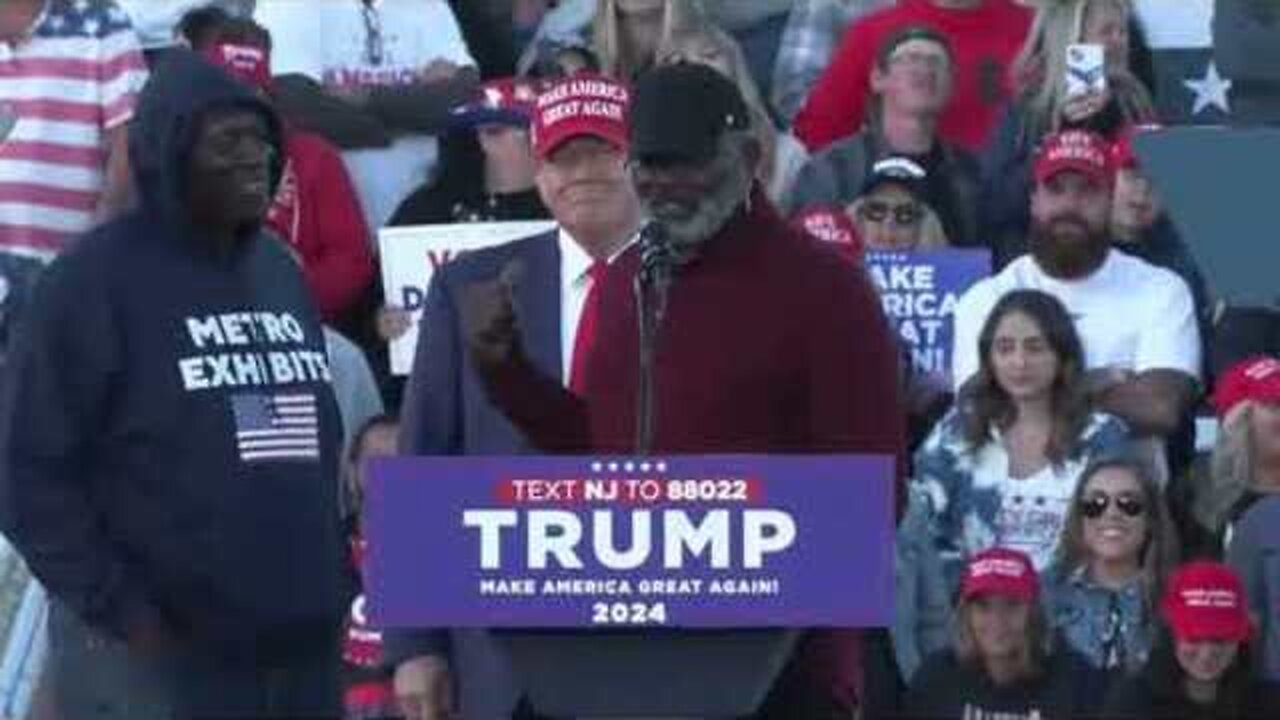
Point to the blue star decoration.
(1210, 91)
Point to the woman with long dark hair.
(1118, 546)
(1001, 468)
(1201, 666)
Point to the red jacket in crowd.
(317, 213)
(985, 41)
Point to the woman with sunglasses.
(1118, 545)
(1200, 667)
(1003, 661)
(1001, 468)
(891, 212)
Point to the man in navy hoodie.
(170, 439)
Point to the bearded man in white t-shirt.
(1137, 321)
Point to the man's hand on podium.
(424, 689)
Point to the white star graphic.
(1210, 91)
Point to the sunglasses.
(1094, 507)
(877, 211)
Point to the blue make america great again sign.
(686, 541)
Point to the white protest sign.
(411, 255)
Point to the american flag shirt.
(276, 426)
(72, 78)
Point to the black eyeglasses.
(1094, 507)
(877, 211)
(373, 48)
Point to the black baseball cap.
(679, 112)
(897, 170)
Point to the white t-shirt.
(1129, 314)
(1033, 511)
(332, 43)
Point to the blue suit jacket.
(446, 412)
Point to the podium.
(668, 674)
(617, 588)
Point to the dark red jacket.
(773, 342)
(985, 42)
(317, 213)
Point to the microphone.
(652, 284)
(657, 265)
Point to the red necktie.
(585, 339)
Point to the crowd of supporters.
(1067, 546)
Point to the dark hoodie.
(144, 467)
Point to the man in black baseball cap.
(770, 342)
(692, 151)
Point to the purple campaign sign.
(919, 291)
(687, 541)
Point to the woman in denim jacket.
(1117, 548)
(1001, 468)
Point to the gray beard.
(714, 211)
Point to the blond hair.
(1041, 68)
(615, 58)
(932, 235)
(1231, 468)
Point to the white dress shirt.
(575, 284)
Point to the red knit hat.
(1205, 601)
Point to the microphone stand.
(652, 285)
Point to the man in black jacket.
(170, 438)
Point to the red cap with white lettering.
(1205, 601)
(1000, 571)
(585, 104)
(1075, 151)
(249, 64)
(830, 224)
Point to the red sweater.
(316, 212)
(985, 41)
(772, 342)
